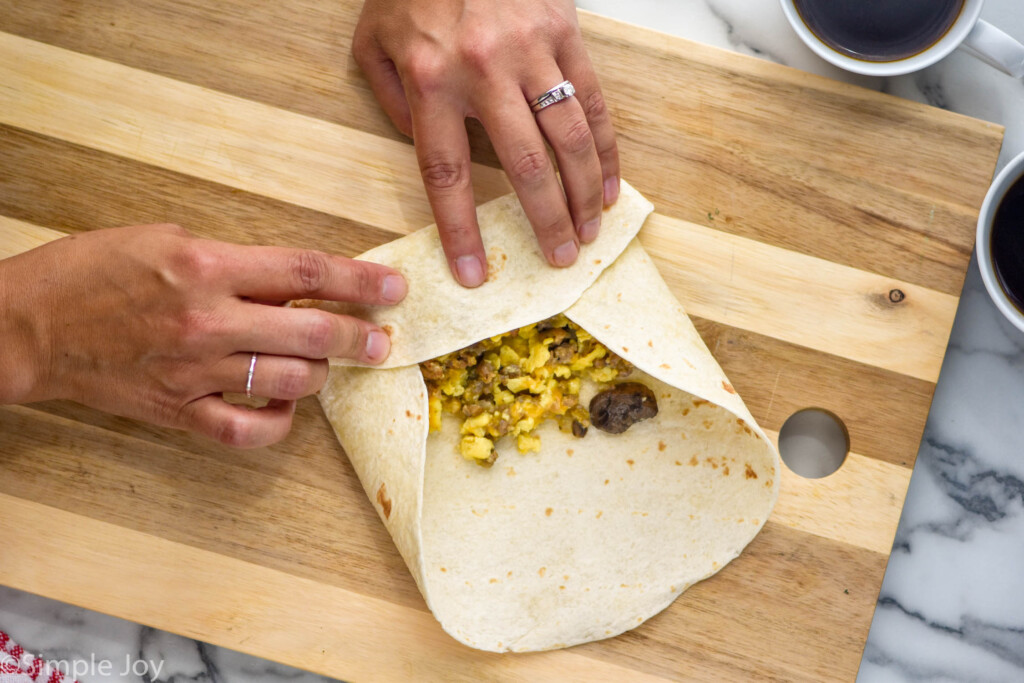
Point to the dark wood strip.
(884, 411)
(67, 187)
(251, 510)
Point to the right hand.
(151, 323)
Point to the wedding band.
(562, 91)
(248, 380)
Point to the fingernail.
(394, 288)
(470, 270)
(565, 255)
(611, 190)
(588, 231)
(377, 346)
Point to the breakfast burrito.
(556, 454)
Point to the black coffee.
(1007, 243)
(879, 30)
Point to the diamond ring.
(562, 91)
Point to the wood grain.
(817, 232)
(836, 192)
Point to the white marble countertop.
(952, 604)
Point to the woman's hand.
(152, 323)
(432, 63)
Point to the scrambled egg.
(509, 384)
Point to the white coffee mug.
(1013, 172)
(976, 36)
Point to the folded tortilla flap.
(632, 311)
(439, 315)
(593, 535)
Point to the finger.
(281, 273)
(568, 132)
(576, 66)
(280, 377)
(520, 147)
(442, 149)
(384, 80)
(306, 333)
(236, 425)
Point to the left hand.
(433, 63)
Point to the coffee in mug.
(1007, 243)
(879, 30)
(1000, 241)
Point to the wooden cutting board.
(817, 233)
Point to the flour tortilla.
(590, 537)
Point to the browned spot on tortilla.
(639, 620)
(750, 473)
(547, 513)
(678, 464)
(755, 521)
(391, 432)
(598, 515)
(630, 463)
(561, 588)
(650, 343)
(511, 471)
(493, 581)
(419, 417)
(479, 513)
(711, 462)
(496, 259)
(597, 262)
(768, 484)
(740, 520)
(509, 574)
(385, 502)
(443, 569)
(408, 413)
(623, 585)
(693, 461)
(683, 436)
(625, 349)
(725, 470)
(605, 482)
(569, 452)
(542, 570)
(666, 366)
(698, 402)
(388, 330)
(728, 387)
(618, 297)
(708, 424)
(661, 446)
(565, 577)
(686, 411)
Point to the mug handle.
(996, 48)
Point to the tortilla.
(591, 536)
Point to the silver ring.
(248, 380)
(562, 91)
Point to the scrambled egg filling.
(507, 385)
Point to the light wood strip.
(251, 608)
(859, 504)
(802, 299)
(18, 236)
(217, 137)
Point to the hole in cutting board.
(813, 442)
